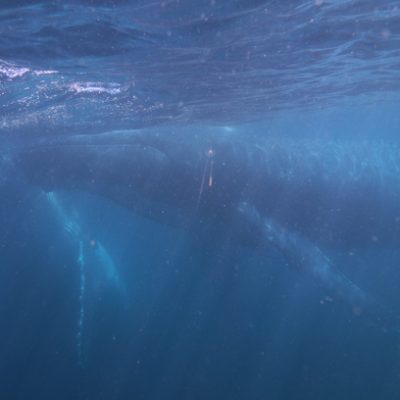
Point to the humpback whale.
(300, 197)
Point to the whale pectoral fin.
(301, 252)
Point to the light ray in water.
(208, 170)
(82, 288)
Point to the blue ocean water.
(97, 302)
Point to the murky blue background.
(188, 322)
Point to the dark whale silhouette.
(299, 197)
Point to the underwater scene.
(199, 199)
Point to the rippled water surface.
(108, 64)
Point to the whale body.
(299, 197)
(343, 193)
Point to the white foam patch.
(95, 88)
(45, 72)
(12, 71)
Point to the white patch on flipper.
(300, 251)
(102, 262)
